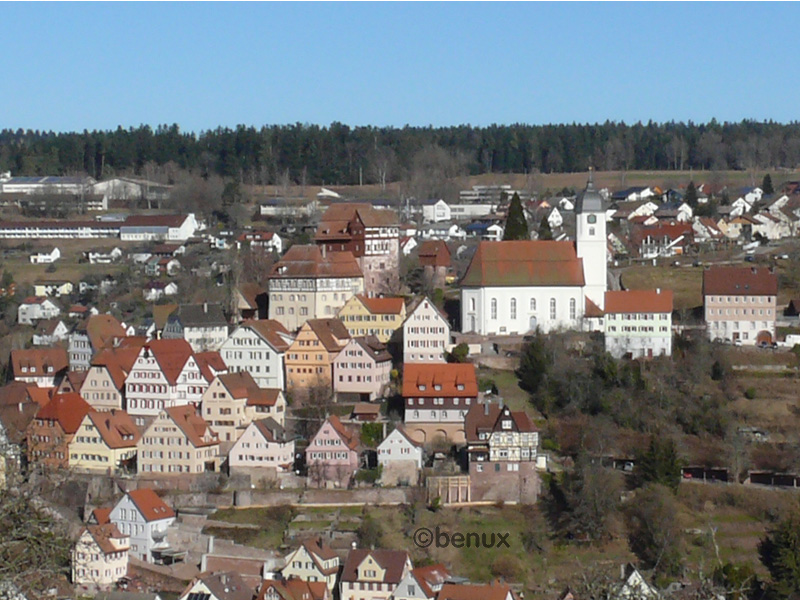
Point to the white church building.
(514, 287)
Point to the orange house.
(309, 359)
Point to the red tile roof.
(446, 377)
(349, 437)
(103, 534)
(116, 428)
(331, 333)
(118, 361)
(103, 330)
(638, 301)
(739, 281)
(382, 306)
(434, 253)
(308, 262)
(493, 591)
(101, 515)
(524, 263)
(431, 576)
(171, 356)
(39, 362)
(210, 364)
(272, 331)
(68, 409)
(592, 310)
(193, 426)
(150, 505)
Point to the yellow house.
(52, 288)
(105, 441)
(380, 317)
(309, 360)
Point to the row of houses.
(134, 228)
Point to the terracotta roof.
(101, 515)
(739, 281)
(457, 591)
(35, 300)
(161, 313)
(365, 408)
(382, 306)
(402, 431)
(229, 585)
(103, 534)
(41, 395)
(434, 253)
(118, 361)
(638, 301)
(271, 331)
(432, 575)
(485, 417)
(103, 330)
(193, 426)
(39, 362)
(264, 397)
(447, 377)
(524, 263)
(350, 438)
(210, 363)
(294, 589)
(154, 221)
(392, 561)
(309, 262)
(271, 430)
(171, 356)
(331, 333)
(68, 409)
(320, 551)
(116, 428)
(250, 293)
(592, 310)
(334, 221)
(150, 505)
(671, 231)
(15, 419)
(239, 385)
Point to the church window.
(592, 219)
(533, 304)
(552, 308)
(472, 303)
(591, 230)
(572, 309)
(494, 308)
(513, 308)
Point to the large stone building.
(310, 282)
(515, 287)
(437, 398)
(371, 235)
(740, 304)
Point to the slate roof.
(525, 263)
(739, 281)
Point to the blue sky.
(96, 66)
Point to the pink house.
(332, 455)
(363, 367)
(263, 451)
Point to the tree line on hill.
(343, 155)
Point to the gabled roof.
(334, 221)
(193, 426)
(67, 409)
(310, 262)
(39, 362)
(103, 534)
(36, 300)
(161, 313)
(392, 561)
(485, 417)
(150, 505)
(202, 315)
(382, 306)
(331, 333)
(116, 428)
(240, 385)
(524, 263)
(16, 417)
(638, 301)
(350, 438)
(431, 576)
(434, 253)
(374, 348)
(271, 331)
(103, 330)
(209, 364)
(47, 326)
(425, 302)
(739, 281)
(271, 430)
(223, 586)
(250, 292)
(401, 430)
(591, 309)
(294, 589)
(171, 356)
(118, 361)
(420, 380)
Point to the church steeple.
(591, 241)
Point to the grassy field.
(685, 282)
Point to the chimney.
(500, 402)
(205, 307)
(486, 408)
(324, 251)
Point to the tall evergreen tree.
(780, 553)
(516, 223)
(766, 185)
(659, 464)
(691, 195)
(545, 232)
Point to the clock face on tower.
(592, 219)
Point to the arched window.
(572, 309)
(494, 308)
(533, 304)
(472, 304)
(513, 308)
(552, 308)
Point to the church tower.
(591, 242)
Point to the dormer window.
(422, 387)
(460, 387)
(437, 387)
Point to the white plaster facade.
(426, 334)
